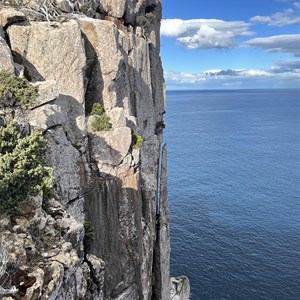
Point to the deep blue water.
(234, 192)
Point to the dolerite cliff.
(104, 231)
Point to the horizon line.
(240, 89)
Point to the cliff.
(102, 230)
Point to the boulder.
(110, 147)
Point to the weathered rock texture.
(104, 234)
(180, 288)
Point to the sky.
(231, 44)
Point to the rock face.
(5, 57)
(104, 233)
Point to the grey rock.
(6, 62)
(55, 53)
(124, 168)
(73, 232)
(65, 160)
(97, 267)
(65, 6)
(136, 156)
(47, 116)
(130, 293)
(114, 8)
(117, 117)
(47, 91)
(110, 147)
(2, 33)
(180, 288)
(106, 60)
(52, 53)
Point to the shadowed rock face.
(97, 237)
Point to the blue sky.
(231, 44)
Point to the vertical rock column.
(161, 268)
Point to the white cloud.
(279, 19)
(205, 33)
(240, 72)
(285, 73)
(172, 27)
(208, 37)
(296, 5)
(289, 43)
(237, 73)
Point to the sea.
(234, 192)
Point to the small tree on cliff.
(23, 172)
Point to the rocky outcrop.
(180, 288)
(103, 232)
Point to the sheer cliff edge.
(100, 228)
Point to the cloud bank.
(289, 43)
(284, 73)
(279, 19)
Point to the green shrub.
(145, 21)
(84, 8)
(101, 123)
(9, 136)
(16, 91)
(137, 141)
(23, 172)
(88, 231)
(97, 109)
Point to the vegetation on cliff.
(23, 172)
(145, 21)
(137, 141)
(15, 91)
(101, 120)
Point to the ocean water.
(234, 192)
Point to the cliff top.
(127, 11)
